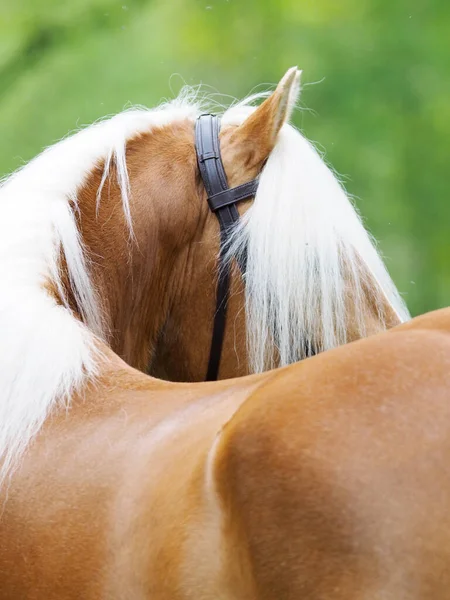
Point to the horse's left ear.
(260, 130)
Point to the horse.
(108, 252)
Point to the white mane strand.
(306, 248)
(45, 352)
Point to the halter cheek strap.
(222, 201)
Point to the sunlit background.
(376, 93)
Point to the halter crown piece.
(222, 201)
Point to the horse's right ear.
(260, 130)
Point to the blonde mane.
(306, 247)
(299, 231)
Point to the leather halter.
(222, 201)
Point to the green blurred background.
(376, 93)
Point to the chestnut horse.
(280, 484)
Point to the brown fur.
(330, 481)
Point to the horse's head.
(126, 240)
(313, 279)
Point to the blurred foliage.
(376, 93)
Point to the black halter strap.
(222, 201)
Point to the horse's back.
(336, 470)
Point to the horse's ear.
(261, 128)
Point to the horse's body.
(118, 485)
(326, 479)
